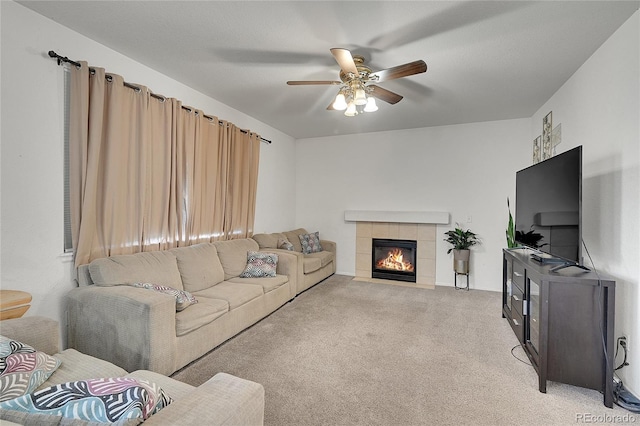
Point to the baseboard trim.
(392, 282)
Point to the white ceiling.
(486, 60)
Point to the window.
(68, 243)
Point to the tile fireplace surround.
(417, 226)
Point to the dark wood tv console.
(563, 320)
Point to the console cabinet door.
(533, 301)
(508, 283)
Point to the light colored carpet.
(348, 353)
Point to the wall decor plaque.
(547, 145)
(537, 149)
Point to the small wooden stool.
(13, 303)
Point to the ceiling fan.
(357, 93)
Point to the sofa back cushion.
(83, 276)
(158, 267)
(233, 255)
(199, 266)
(294, 239)
(269, 241)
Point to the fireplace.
(394, 259)
(399, 225)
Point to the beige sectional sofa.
(312, 267)
(136, 328)
(222, 400)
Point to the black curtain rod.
(64, 59)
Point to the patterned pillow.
(283, 243)
(310, 242)
(184, 299)
(22, 368)
(260, 265)
(110, 400)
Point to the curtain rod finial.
(53, 54)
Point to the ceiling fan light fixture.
(355, 94)
(340, 103)
(351, 110)
(371, 105)
(361, 97)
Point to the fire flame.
(395, 261)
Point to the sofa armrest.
(330, 246)
(131, 327)
(43, 334)
(222, 400)
(290, 263)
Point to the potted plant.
(531, 238)
(461, 241)
(511, 230)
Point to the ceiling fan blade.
(405, 70)
(384, 94)
(330, 107)
(310, 82)
(345, 60)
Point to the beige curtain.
(244, 152)
(161, 224)
(205, 165)
(147, 174)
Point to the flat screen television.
(548, 212)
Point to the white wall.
(467, 170)
(599, 109)
(32, 151)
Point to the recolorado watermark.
(606, 418)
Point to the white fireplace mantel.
(438, 218)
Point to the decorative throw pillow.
(22, 368)
(110, 400)
(184, 299)
(283, 243)
(310, 242)
(260, 265)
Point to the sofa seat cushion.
(158, 267)
(233, 255)
(268, 283)
(326, 257)
(76, 366)
(202, 313)
(311, 264)
(237, 294)
(199, 266)
(17, 418)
